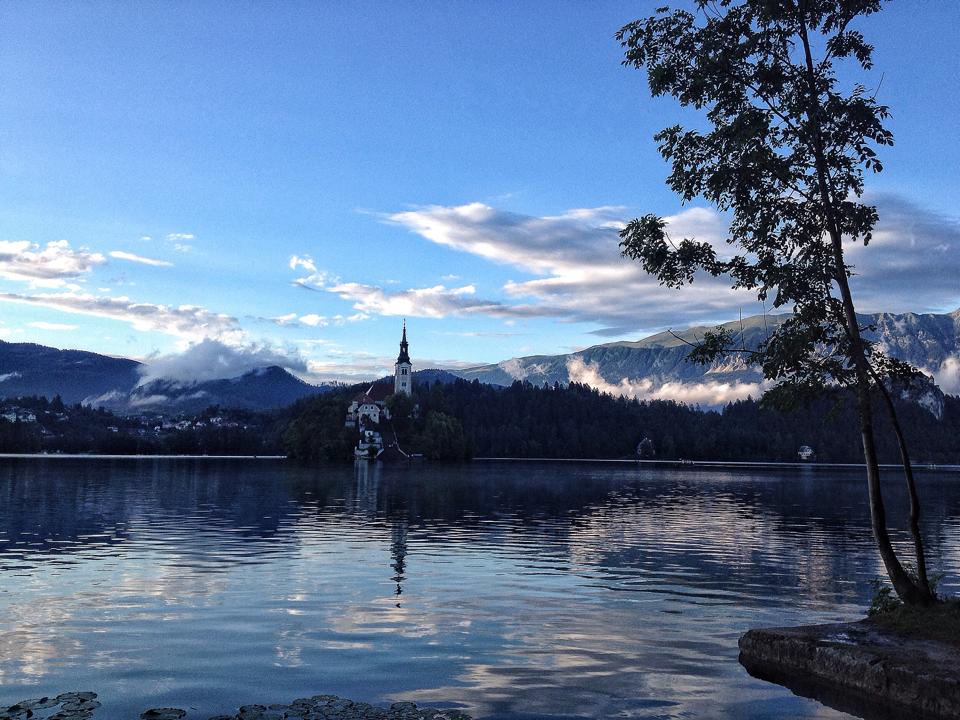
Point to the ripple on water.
(539, 590)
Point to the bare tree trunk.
(904, 586)
(922, 579)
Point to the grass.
(939, 622)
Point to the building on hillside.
(806, 453)
(370, 445)
(370, 406)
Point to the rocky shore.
(860, 667)
(82, 705)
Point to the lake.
(511, 590)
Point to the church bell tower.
(403, 372)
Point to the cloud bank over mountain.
(214, 360)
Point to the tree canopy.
(785, 156)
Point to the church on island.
(369, 413)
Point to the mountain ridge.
(81, 376)
(651, 367)
(930, 341)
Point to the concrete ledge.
(858, 668)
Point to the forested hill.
(577, 421)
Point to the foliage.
(401, 408)
(443, 438)
(939, 622)
(318, 433)
(884, 600)
(785, 155)
(578, 421)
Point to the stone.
(37, 703)
(75, 696)
(163, 714)
(81, 706)
(857, 668)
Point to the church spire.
(403, 373)
(404, 356)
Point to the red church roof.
(378, 392)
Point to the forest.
(468, 419)
(459, 420)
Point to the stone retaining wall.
(896, 675)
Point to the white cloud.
(433, 302)
(122, 255)
(9, 376)
(185, 321)
(41, 325)
(287, 319)
(947, 376)
(305, 261)
(702, 393)
(913, 262)
(51, 266)
(180, 241)
(214, 360)
(314, 320)
(352, 367)
(583, 277)
(580, 276)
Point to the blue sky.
(292, 179)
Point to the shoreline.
(857, 667)
(104, 456)
(83, 705)
(707, 464)
(726, 463)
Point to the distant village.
(35, 424)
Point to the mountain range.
(653, 367)
(657, 366)
(118, 383)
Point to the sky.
(248, 183)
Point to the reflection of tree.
(242, 509)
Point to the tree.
(400, 407)
(785, 156)
(444, 437)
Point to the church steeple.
(404, 356)
(403, 373)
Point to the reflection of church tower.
(398, 553)
(402, 378)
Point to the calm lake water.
(509, 589)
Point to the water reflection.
(550, 590)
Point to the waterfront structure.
(370, 445)
(806, 453)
